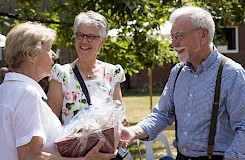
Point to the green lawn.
(137, 108)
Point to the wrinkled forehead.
(181, 24)
(88, 29)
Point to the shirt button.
(195, 76)
(188, 114)
(185, 133)
(190, 95)
(184, 149)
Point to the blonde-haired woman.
(28, 125)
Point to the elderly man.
(189, 95)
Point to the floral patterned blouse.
(74, 98)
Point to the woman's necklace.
(89, 76)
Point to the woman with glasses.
(66, 96)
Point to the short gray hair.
(94, 19)
(200, 18)
(27, 37)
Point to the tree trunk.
(150, 86)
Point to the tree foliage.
(136, 46)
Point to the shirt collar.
(13, 76)
(207, 63)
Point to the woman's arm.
(117, 95)
(33, 150)
(55, 97)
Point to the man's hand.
(127, 137)
(129, 134)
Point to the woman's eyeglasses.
(89, 37)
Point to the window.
(226, 40)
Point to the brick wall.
(240, 56)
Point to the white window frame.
(223, 49)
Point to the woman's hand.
(94, 153)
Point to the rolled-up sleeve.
(163, 112)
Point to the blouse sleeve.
(61, 73)
(119, 73)
(29, 124)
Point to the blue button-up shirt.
(193, 98)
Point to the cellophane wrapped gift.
(100, 121)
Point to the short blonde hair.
(25, 38)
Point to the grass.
(137, 108)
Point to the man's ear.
(204, 34)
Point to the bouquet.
(100, 121)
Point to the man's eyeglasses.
(89, 37)
(180, 35)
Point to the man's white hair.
(200, 18)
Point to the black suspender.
(215, 107)
(82, 84)
(176, 133)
